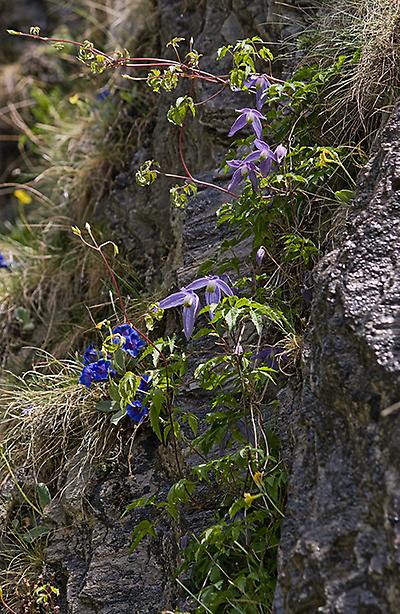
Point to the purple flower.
(260, 255)
(129, 340)
(264, 155)
(244, 169)
(90, 355)
(261, 84)
(272, 356)
(280, 153)
(144, 386)
(4, 263)
(190, 303)
(215, 287)
(136, 411)
(96, 372)
(247, 117)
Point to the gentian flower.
(98, 371)
(190, 303)
(90, 355)
(103, 94)
(244, 169)
(261, 84)
(144, 386)
(247, 117)
(130, 341)
(4, 264)
(264, 155)
(136, 411)
(215, 287)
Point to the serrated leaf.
(144, 528)
(158, 399)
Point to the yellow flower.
(74, 99)
(258, 478)
(101, 324)
(23, 197)
(248, 498)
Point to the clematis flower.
(90, 355)
(132, 343)
(264, 155)
(98, 371)
(190, 303)
(215, 287)
(261, 84)
(260, 255)
(244, 169)
(247, 117)
(280, 153)
(136, 411)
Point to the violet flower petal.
(174, 300)
(238, 124)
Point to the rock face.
(340, 549)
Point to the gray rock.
(340, 540)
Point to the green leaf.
(157, 403)
(116, 418)
(144, 528)
(36, 533)
(193, 423)
(106, 406)
(43, 495)
(344, 196)
(177, 113)
(142, 502)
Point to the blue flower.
(136, 411)
(4, 263)
(190, 303)
(261, 84)
(144, 386)
(244, 169)
(98, 371)
(103, 94)
(129, 340)
(90, 355)
(247, 117)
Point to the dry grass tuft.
(48, 418)
(368, 30)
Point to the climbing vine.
(284, 187)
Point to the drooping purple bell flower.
(248, 117)
(244, 169)
(260, 255)
(132, 343)
(264, 156)
(215, 287)
(260, 84)
(98, 371)
(190, 303)
(280, 153)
